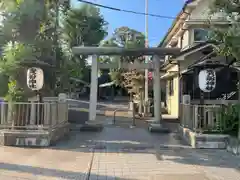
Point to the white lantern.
(35, 78)
(207, 80)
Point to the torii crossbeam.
(157, 53)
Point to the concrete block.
(33, 138)
(157, 128)
(203, 141)
(92, 127)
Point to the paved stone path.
(136, 155)
(118, 153)
(43, 164)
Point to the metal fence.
(32, 116)
(200, 118)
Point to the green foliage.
(125, 37)
(12, 57)
(29, 33)
(14, 93)
(228, 37)
(81, 26)
(228, 119)
(84, 26)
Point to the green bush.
(14, 93)
(228, 121)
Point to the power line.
(127, 11)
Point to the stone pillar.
(94, 89)
(157, 90)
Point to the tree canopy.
(227, 36)
(42, 34)
(83, 26)
(132, 80)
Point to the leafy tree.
(123, 37)
(82, 26)
(132, 80)
(29, 37)
(228, 37)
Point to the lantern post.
(206, 81)
(35, 82)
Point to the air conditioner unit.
(186, 99)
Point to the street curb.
(87, 110)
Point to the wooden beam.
(128, 66)
(100, 51)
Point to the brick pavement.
(139, 165)
(43, 164)
(118, 153)
(152, 156)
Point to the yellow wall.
(173, 100)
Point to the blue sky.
(157, 26)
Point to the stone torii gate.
(94, 52)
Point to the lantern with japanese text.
(35, 78)
(207, 80)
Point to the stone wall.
(34, 138)
(24, 138)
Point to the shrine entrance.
(157, 54)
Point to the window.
(170, 87)
(200, 35)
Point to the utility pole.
(146, 58)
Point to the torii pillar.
(93, 90)
(157, 90)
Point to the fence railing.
(202, 118)
(32, 116)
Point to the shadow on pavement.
(119, 139)
(138, 140)
(201, 157)
(39, 171)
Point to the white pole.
(94, 89)
(157, 90)
(146, 57)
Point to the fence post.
(33, 113)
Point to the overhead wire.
(127, 11)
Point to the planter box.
(203, 141)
